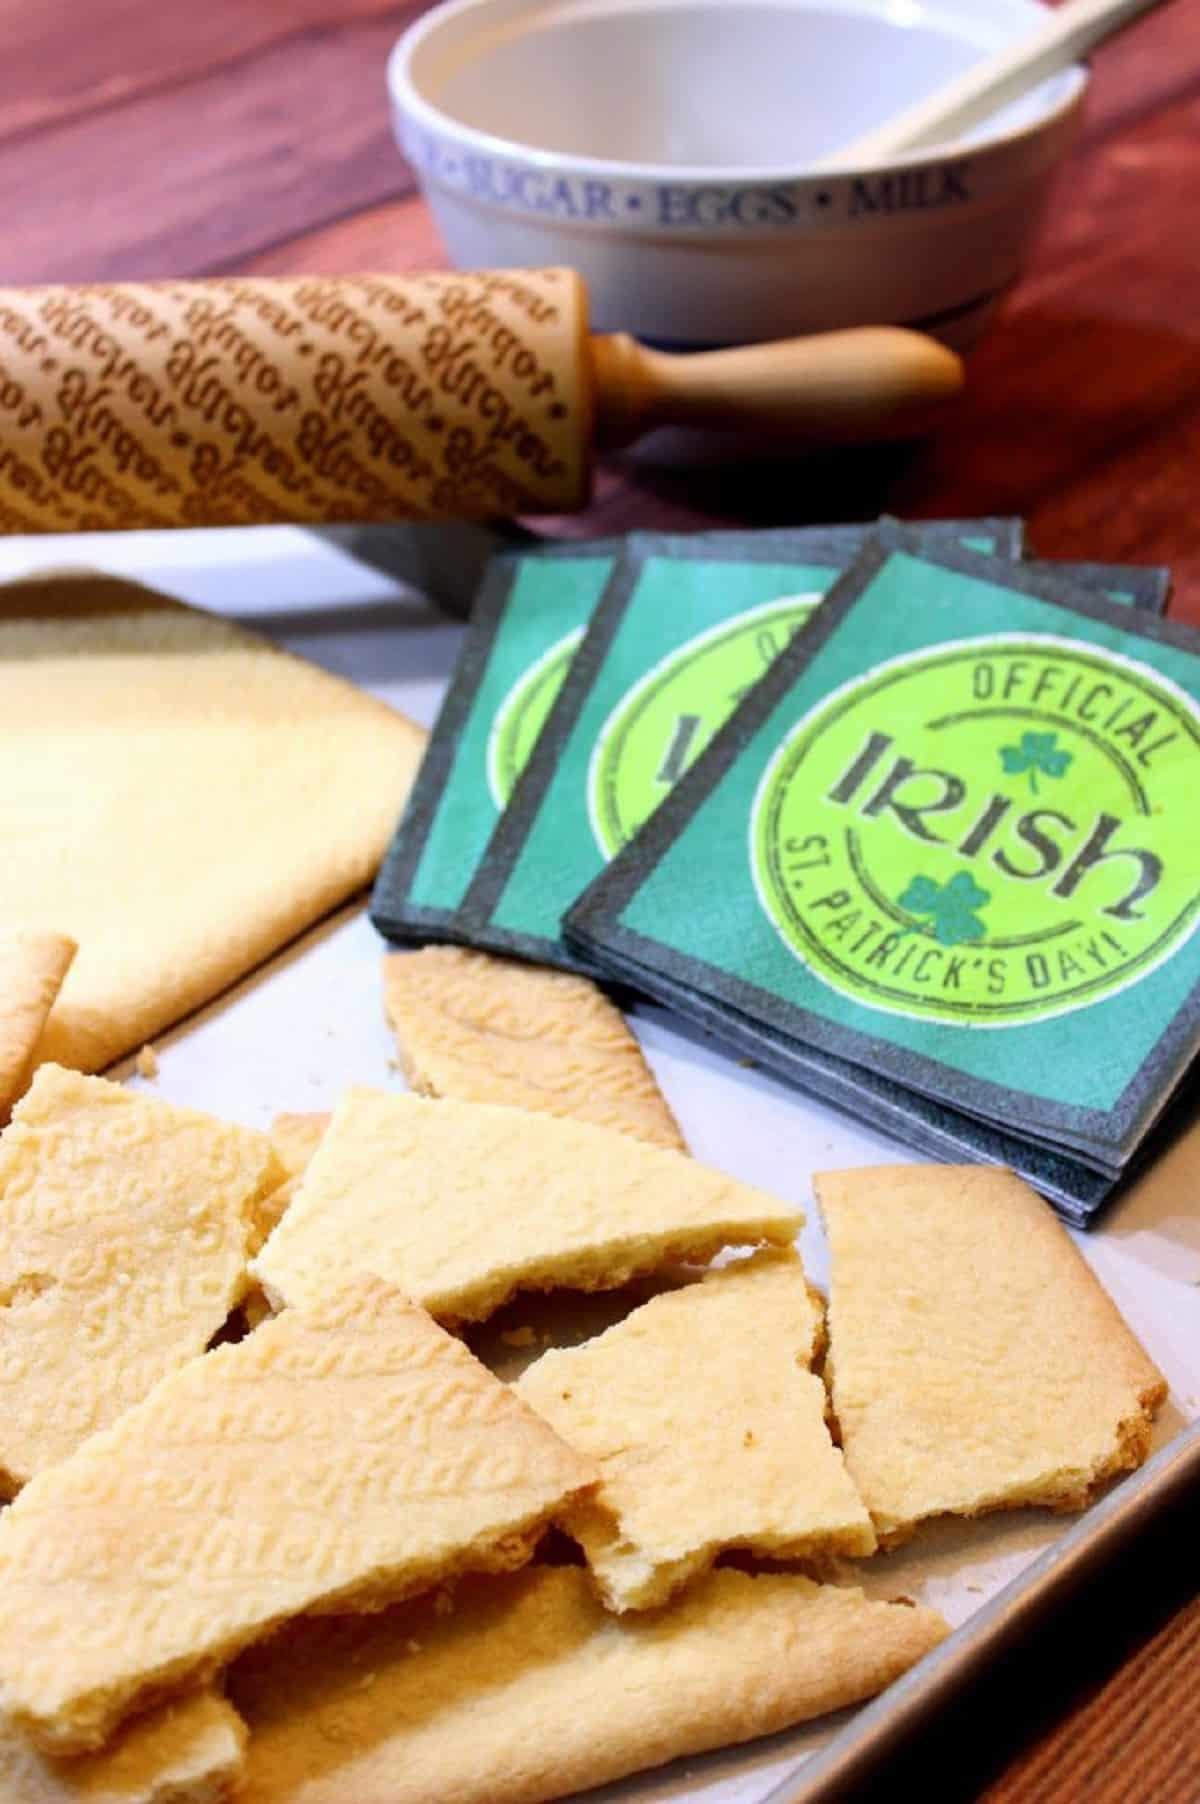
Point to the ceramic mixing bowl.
(667, 150)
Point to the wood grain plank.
(398, 236)
(124, 48)
(1083, 406)
(1151, 65)
(180, 181)
(1135, 1741)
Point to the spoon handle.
(1068, 33)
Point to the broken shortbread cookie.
(296, 1138)
(482, 1029)
(187, 1752)
(709, 1431)
(335, 1459)
(976, 1362)
(125, 1228)
(530, 1689)
(32, 968)
(461, 1204)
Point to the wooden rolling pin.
(240, 402)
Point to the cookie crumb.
(518, 1337)
(147, 1062)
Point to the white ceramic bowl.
(661, 147)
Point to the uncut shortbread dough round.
(180, 797)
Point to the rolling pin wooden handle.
(870, 382)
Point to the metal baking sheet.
(294, 1034)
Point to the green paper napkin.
(946, 838)
(525, 626)
(685, 626)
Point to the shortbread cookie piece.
(32, 968)
(461, 1204)
(180, 795)
(334, 1460)
(483, 1029)
(530, 1689)
(126, 1224)
(296, 1138)
(188, 1752)
(976, 1362)
(709, 1431)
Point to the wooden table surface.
(142, 139)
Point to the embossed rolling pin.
(473, 396)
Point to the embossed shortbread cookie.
(179, 795)
(485, 1029)
(188, 1752)
(125, 1228)
(709, 1431)
(295, 1139)
(976, 1362)
(32, 968)
(461, 1204)
(530, 1689)
(336, 1459)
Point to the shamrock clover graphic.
(950, 906)
(1036, 752)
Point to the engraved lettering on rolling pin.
(240, 402)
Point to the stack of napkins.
(894, 812)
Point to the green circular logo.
(522, 715)
(987, 833)
(660, 728)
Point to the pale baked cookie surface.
(462, 1204)
(709, 1431)
(296, 1138)
(976, 1362)
(530, 1690)
(336, 1458)
(179, 796)
(126, 1224)
(32, 968)
(187, 1752)
(484, 1029)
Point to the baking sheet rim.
(859, 1752)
